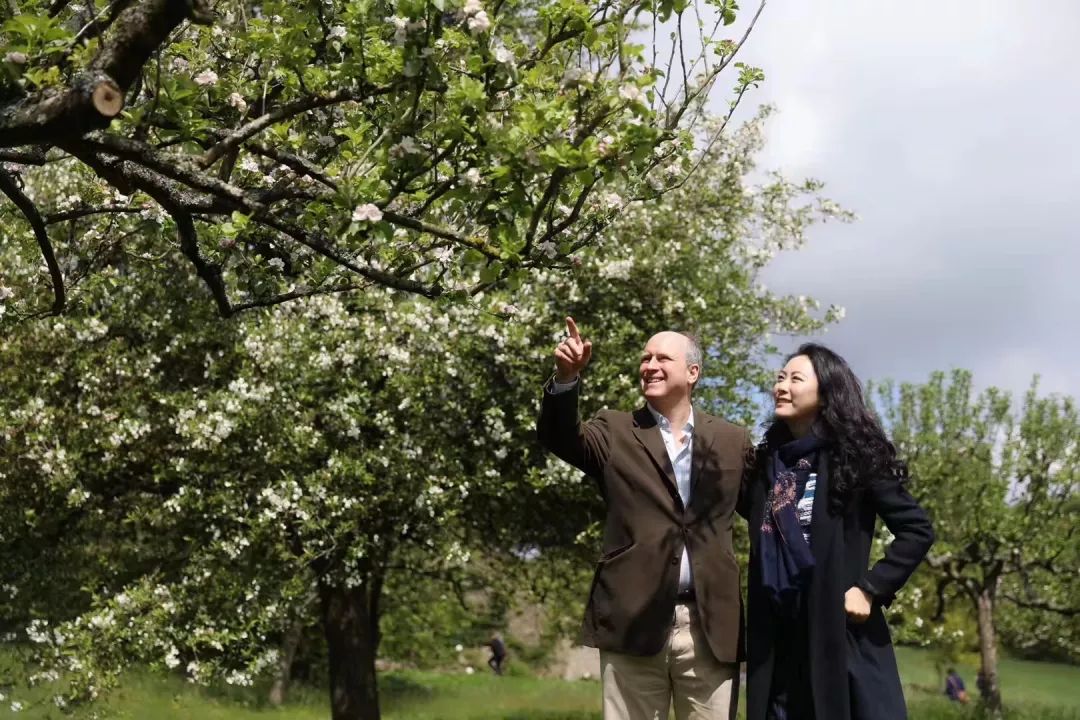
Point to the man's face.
(663, 371)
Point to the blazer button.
(675, 560)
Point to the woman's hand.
(857, 604)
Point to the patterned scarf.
(784, 556)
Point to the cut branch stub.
(90, 103)
(107, 98)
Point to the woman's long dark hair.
(859, 451)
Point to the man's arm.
(586, 446)
(583, 445)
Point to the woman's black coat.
(852, 666)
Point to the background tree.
(1001, 483)
(199, 483)
(301, 148)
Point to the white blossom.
(400, 29)
(479, 23)
(472, 7)
(15, 58)
(206, 77)
(337, 32)
(611, 201)
(407, 146)
(572, 76)
(629, 91)
(504, 55)
(237, 101)
(367, 212)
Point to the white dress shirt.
(681, 457)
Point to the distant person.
(664, 607)
(818, 647)
(498, 653)
(954, 687)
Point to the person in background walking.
(954, 686)
(498, 653)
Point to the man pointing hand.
(665, 608)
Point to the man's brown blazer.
(632, 599)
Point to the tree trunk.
(350, 621)
(989, 689)
(283, 678)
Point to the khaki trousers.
(642, 688)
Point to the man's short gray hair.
(694, 356)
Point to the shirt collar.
(665, 424)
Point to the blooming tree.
(195, 486)
(1002, 484)
(430, 146)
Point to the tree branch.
(286, 297)
(54, 218)
(96, 96)
(34, 156)
(1042, 605)
(11, 188)
(323, 248)
(172, 167)
(253, 128)
(421, 226)
(210, 273)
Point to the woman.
(818, 647)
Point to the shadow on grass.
(397, 688)
(552, 715)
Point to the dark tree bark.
(350, 622)
(283, 678)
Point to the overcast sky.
(953, 130)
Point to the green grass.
(1022, 682)
(1037, 691)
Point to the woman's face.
(796, 391)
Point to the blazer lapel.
(703, 440)
(648, 434)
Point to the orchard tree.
(193, 486)
(1001, 482)
(300, 148)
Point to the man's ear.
(693, 374)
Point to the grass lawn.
(1039, 690)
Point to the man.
(498, 653)
(665, 608)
